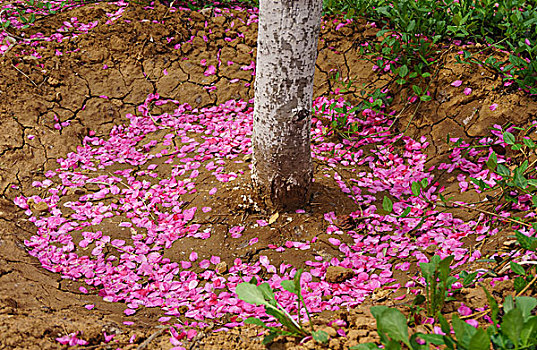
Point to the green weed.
(263, 294)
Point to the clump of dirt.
(86, 85)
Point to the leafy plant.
(263, 294)
(438, 283)
(411, 30)
(517, 329)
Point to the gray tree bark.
(286, 55)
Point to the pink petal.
(456, 83)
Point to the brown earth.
(36, 306)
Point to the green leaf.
(508, 138)
(503, 171)
(444, 325)
(289, 286)
(529, 143)
(268, 293)
(528, 336)
(269, 338)
(320, 336)
(407, 211)
(469, 279)
(492, 162)
(424, 182)
(526, 305)
(519, 284)
(512, 325)
(480, 340)
(403, 71)
(493, 306)
(415, 187)
(387, 204)
(425, 98)
(364, 346)
(519, 179)
(393, 323)
(296, 280)
(419, 300)
(526, 242)
(436, 339)
(517, 268)
(284, 320)
(251, 294)
(255, 321)
(463, 331)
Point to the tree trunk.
(286, 55)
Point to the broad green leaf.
(512, 325)
(436, 339)
(255, 321)
(415, 187)
(403, 71)
(503, 171)
(427, 270)
(444, 269)
(508, 138)
(519, 178)
(529, 143)
(463, 331)
(517, 268)
(268, 293)
(526, 242)
(480, 340)
(320, 336)
(508, 304)
(492, 162)
(414, 345)
(526, 305)
(444, 325)
(528, 336)
(284, 320)
(424, 182)
(289, 286)
(393, 323)
(251, 294)
(376, 311)
(425, 98)
(392, 345)
(469, 279)
(387, 204)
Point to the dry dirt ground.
(37, 306)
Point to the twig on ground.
(21, 72)
(151, 338)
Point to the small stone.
(41, 206)
(432, 249)
(53, 81)
(338, 274)
(221, 268)
(329, 330)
